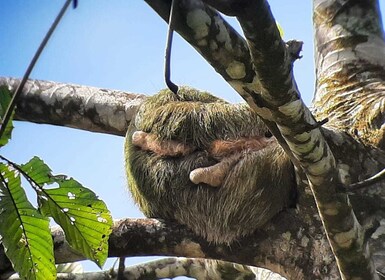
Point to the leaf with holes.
(84, 218)
(38, 171)
(5, 99)
(25, 232)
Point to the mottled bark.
(350, 61)
(273, 93)
(200, 269)
(350, 65)
(287, 246)
(88, 108)
(226, 51)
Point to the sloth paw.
(149, 142)
(215, 175)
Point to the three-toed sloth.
(207, 164)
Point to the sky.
(116, 44)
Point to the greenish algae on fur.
(257, 187)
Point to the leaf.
(38, 171)
(25, 232)
(84, 218)
(5, 99)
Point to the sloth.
(209, 165)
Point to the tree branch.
(281, 247)
(88, 108)
(228, 54)
(350, 67)
(278, 92)
(170, 268)
(369, 181)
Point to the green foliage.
(84, 218)
(5, 99)
(25, 232)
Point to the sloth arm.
(171, 148)
(227, 152)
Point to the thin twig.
(121, 268)
(167, 72)
(31, 65)
(367, 182)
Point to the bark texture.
(88, 108)
(278, 248)
(293, 243)
(350, 63)
(272, 92)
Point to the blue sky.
(114, 44)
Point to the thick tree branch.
(87, 108)
(173, 267)
(281, 247)
(277, 92)
(350, 67)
